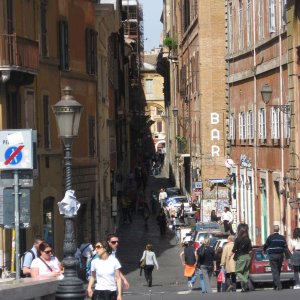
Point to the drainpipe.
(254, 175)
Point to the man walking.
(276, 246)
(162, 197)
(113, 241)
(227, 219)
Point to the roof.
(150, 58)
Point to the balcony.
(18, 54)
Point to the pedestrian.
(214, 217)
(105, 271)
(29, 256)
(294, 247)
(228, 263)
(206, 264)
(162, 222)
(227, 220)
(151, 260)
(242, 225)
(146, 214)
(181, 214)
(188, 259)
(86, 251)
(276, 246)
(46, 265)
(240, 252)
(125, 202)
(220, 284)
(113, 241)
(162, 197)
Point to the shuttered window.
(272, 16)
(91, 51)
(63, 44)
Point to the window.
(230, 27)
(29, 108)
(242, 126)
(44, 31)
(149, 86)
(9, 16)
(241, 44)
(275, 121)
(249, 23)
(46, 121)
(262, 130)
(232, 127)
(283, 12)
(92, 136)
(272, 16)
(158, 126)
(286, 125)
(250, 125)
(260, 20)
(91, 51)
(159, 111)
(186, 16)
(64, 44)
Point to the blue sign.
(13, 157)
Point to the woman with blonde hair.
(151, 260)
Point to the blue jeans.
(199, 273)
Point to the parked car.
(177, 201)
(173, 191)
(220, 244)
(260, 270)
(210, 230)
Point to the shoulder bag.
(143, 261)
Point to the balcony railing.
(18, 53)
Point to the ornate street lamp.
(68, 112)
(266, 93)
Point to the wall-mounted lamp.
(175, 112)
(262, 187)
(286, 180)
(266, 93)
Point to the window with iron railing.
(275, 123)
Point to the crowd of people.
(233, 260)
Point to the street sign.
(16, 149)
(198, 185)
(7, 207)
(25, 178)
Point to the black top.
(275, 243)
(189, 255)
(241, 246)
(214, 218)
(206, 256)
(240, 226)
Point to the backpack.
(22, 257)
(88, 266)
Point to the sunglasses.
(114, 242)
(99, 247)
(48, 251)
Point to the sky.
(152, 26)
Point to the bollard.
(150, 294)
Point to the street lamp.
(266, 93)
(175, 112)
(262, 187)
(67, 113)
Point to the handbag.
(143, 262)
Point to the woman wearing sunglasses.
(106, 271)
(46, 265)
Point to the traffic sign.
(16, 149)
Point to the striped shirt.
(275, 243)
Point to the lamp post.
(68, 112)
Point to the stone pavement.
(134, 237)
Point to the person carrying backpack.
(86, 251)
(29, 256)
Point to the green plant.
(170, 43)
(182, 143)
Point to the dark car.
(260, 270)
(173, 191)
